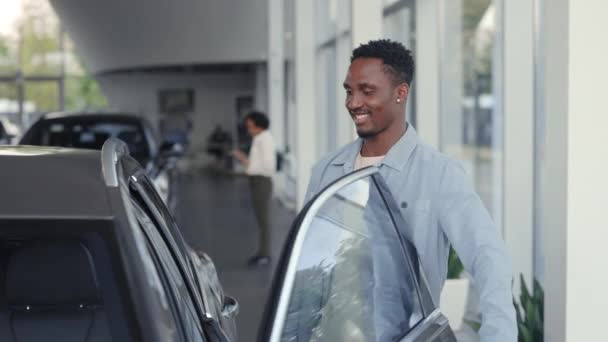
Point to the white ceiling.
(113, 35)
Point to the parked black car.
(91, 130)
(89, 252)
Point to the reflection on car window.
(352, 282)
(146, 194)
(170, 269)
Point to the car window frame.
(153, 206)
(162, 261)
(146, 186)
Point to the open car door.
(349, 273)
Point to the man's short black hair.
(398, 60)
(259, 119)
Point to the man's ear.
(403, 91)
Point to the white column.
(366, 25)
(276, 71)
(575, 181)
(261, 88)
(518, 163)
(345, 126)
(305, 99)
(451, 86)
(427, 70)
(555, 174)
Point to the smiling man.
(436, 197)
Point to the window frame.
(154, 207)
(181, 306)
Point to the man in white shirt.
(260, 166)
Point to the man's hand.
(240, 156)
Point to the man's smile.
(360, 118)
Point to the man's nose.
(353, 102)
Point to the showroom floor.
(217, 218)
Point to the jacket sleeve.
(314, 182)
(477, 241)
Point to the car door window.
(348, 276)
(172, 273)
(150, 197)
(144, 193)
(163, 289)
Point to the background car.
(91, 130)
(89, 252)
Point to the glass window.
(326, 100)
(471, 124)
(148, 192)
(326, 14)
(389, 2)
(164, 288)
(39, 44)
(42, 96)
(398, 25)
(170, 270)
(352, 281)
(82, 91)
(9, 99)
(165, 308)
(38, 59)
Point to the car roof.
(92, 116)
(47, 182)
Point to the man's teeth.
(360, 118)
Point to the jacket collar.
(396, 158)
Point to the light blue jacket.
(439, 204)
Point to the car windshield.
(92, 135)
(352, 281)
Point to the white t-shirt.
(362, 162)
(262, 157)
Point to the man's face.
(252, 129)
(371, 97)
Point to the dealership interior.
(510, 89)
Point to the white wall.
(587, 278)
(118, 34)
(574, 175)
(215, 96)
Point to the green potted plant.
(530, 312)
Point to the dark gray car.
(89, 252)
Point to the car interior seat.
(52, 294)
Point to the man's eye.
(368, 92)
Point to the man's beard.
(365, 135)
(371, 133)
